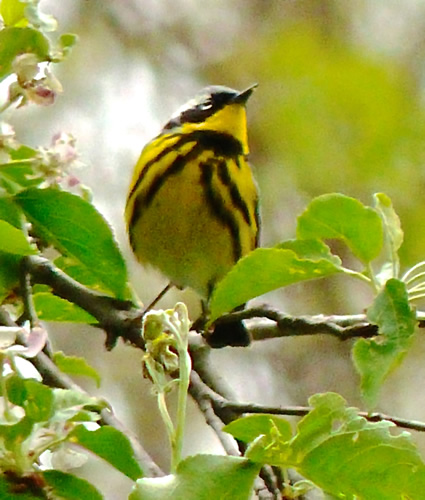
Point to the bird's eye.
(205, 105)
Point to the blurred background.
(339, 108)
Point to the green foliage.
(393, 237)
(263, 270)
(334, 216)
(374, 358)
(13, 12)
(39, 418)
(68, 223)
(16, 41)
(11, 214)
(70, 487)
(248, 429)
(165, 332)
(9, 273)
(13, 240)
(73, 365)
(111, 445)
(339, 451)
(49, 307)
(19, 173)
(332, 447)
(202, 477)
(374, 236)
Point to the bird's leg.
(157, 298)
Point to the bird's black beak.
(243, 96)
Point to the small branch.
(301, 411)
(200, 353)
(199, 392)
(240, 408)
(413, 425)
(118, 318)
(122, 319)
(26, 292)
(267, 323)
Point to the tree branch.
(266, 323)
(215, 417)
(123, 319)
(199, 393)
(210, 391)
(117, 318)
(301, 411)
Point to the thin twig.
(26, 292)
(122, 319)
(301, 411)
(206, 387)
(155, 301)
(267, 323)
(116, 317)
(199, 393)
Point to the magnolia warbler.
(192, 206)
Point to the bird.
(192, 209)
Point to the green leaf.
(68, 40)
(16, 41)
(374, 358)
(81, 274)
(19, 172)
(13, 240)
(335, 216)
(17, 433)
(17, 175)
(9, 212)
(13, 12)
(345, 454)
(39, 401)
(65, 44)
(393, 237)
(49, 307)
(262, 432)
(73, 365)
(76, 406)
(262, 271)
(391, 221)
(16, 390)
(9, 273)
(111, 445)
(75, 228)
(310, 249)
(202, 477)
(248, 428)
(24, 152)
(70, 487)
(328, 416)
